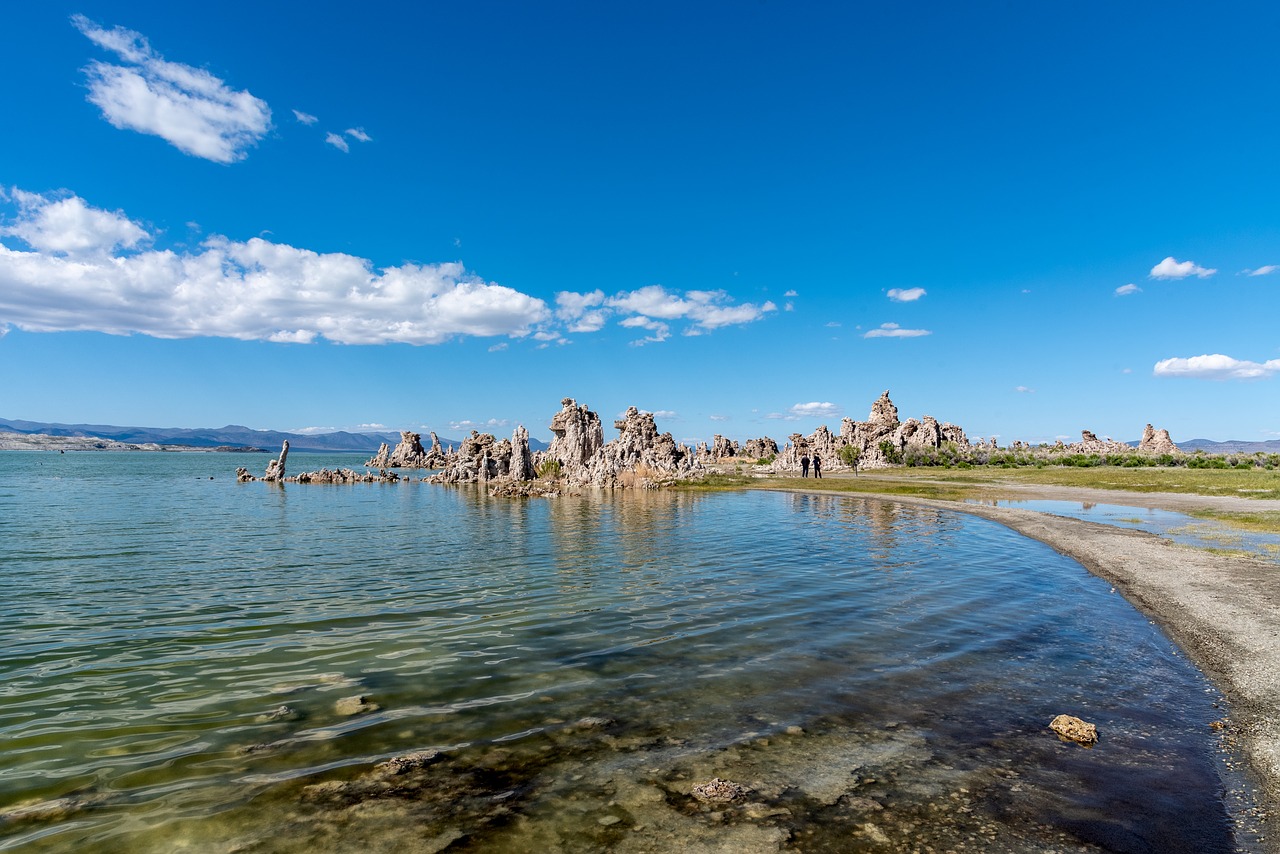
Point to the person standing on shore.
(817, 465)
(804, 465)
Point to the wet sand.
(1223, 611)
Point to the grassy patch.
(1266, 523)
(873, 486)
(1244, 483)
(716, 482)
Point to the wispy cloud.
(893, 330)
(815, 410)
(1170, 268)
(1216, 367)
(485, 426)
(498, 348)
(654, 308)
(791, 293)
(1125, 290)
(188, 107)
(718, 417)
(358, 133)
(907, 295)
(670, 414)
(1024, 390)
(305, 118)
(1265, 270)
(337, 142)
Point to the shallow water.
(877, 676)
(1178, 527)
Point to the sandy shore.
(1223, 611)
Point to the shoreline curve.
(1222, 611)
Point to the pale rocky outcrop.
(410, 454)
(576, 435)
(480, 457)
(521, 468)
(760, 449)
(275, 468)
(1157, 442)
(1090, 444)
(722, 448)
(640, 456)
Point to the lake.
(192, 664)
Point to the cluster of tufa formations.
(642, 457)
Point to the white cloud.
(1125, 290)
(1265, 270)
(907, 295)
(833, 324)
(251, 290)
(719, 417)
(486, 426)
(654, 308)
(815, 410)
(666, 413)
(498, 348)
(358, 133)
(305, 118)
(1024, 390)
(789, 306)
(1172, 269)
(194, 111)
(337, 142)
(661, 331)
(314, 431)
(893, 330)
(1216, 367)
(368, 427)
(791, 293)
(68, 226)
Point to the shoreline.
(1222, 611)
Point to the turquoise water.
(1178, 527)
(878, 677)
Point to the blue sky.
(748, 218)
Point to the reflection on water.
(1178, 527)
(563, 672)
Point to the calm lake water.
(174, 648)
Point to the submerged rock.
(1071, 728)
(717, 791)
(356, 705)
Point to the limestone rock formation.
(480, 457)
(275, 468)
(760, 449)
(521, 468)
(410, 454)
(1157, 442)
(722, 447)
(576, 435)
(1090, 444)
(640, 456)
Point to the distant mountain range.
(1231, 446)
(218, 437)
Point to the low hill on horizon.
(232, 435)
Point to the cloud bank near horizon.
(89, 269)
(188, 107)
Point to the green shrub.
(549, 469)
